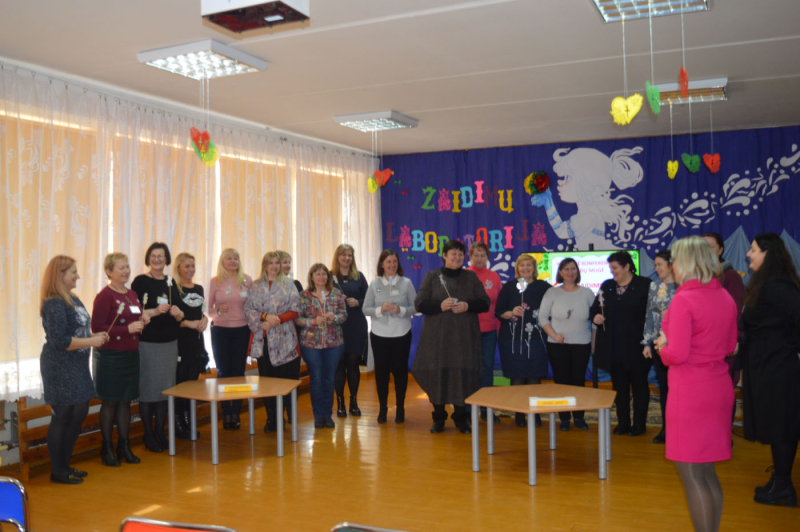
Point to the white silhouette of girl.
(586, 176)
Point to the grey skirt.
(157, 365)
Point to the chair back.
(352, 527)
(13, 503)
(142, 524)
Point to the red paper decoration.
(683, 81)
(712, 162)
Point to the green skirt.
(115, 374)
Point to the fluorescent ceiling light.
(700, 91)
(273, 18)
(615, 10)
(202, 59)
(378, 121)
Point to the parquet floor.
(403, 477)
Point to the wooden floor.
(403, 477)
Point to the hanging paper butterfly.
(203, 147)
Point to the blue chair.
(14, 503)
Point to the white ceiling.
(475, 73)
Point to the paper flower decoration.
(203, 147)
(382, 176)
(536, 183)
(683, 81)
(672, 169)
(653, 97)
(522, 284)
(691, 162)
(372, 185)
(711, 162)
(624, 110)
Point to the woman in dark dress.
(448, 363)
(353, 285)
(192, 354)
(620, 311)
(115, 366)
(158, 346)
(65, 364)
(523, 348)
(770, 357)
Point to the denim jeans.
(230, 354)
(322, 364)
(489, 348)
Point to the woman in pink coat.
(698, 332)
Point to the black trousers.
(290, 370)
(391, 359)
(624, 380)
(569, 363)
(663, 385)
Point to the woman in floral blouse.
(658, 299)
(322, 312)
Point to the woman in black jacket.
(771, 363)
(619, 311)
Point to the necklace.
(115, 289)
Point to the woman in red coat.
(698, 332)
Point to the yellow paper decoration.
(372, 185)
(672, 169)
(625, 110)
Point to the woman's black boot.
(354, 410)
(341, 409)
(124, 452)
(107, 455)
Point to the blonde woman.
(192, 354)
(697, 334)
(115, 366)
(230, 335)
(523, 348)
(65, 364)
(322, 312)
(353, 285)
(271, 308)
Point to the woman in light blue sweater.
(390, 304)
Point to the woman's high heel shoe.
(107, 455)
(124, 452)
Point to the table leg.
(608, 433)
(294, 414)
(279, 425)
(171, 414)
(214, 434)
(552, 431)
(476, 428)
(193, 419)
(531, 450)
(251, 410)
(601, 438)
(490, 430)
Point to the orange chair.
(142, 524)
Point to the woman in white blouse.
(564, 316)
(390, 304)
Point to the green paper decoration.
(653, 97)
(691, 162)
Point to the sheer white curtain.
(84, 173)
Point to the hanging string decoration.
(691, 160)
(672, 164)
(203, 147)
(683, 76)
(651, 90)
(382, 176)
(711, 160)
(624, 108)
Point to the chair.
(14, 503)
(142, 524)
(352, 527)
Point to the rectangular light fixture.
(378, 121)
(700, 91)
(616, 10)
(202, 60)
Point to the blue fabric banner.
(612, 194)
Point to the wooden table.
(207, 390)
(517, 399)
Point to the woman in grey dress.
(65, 364)
(448, 364)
